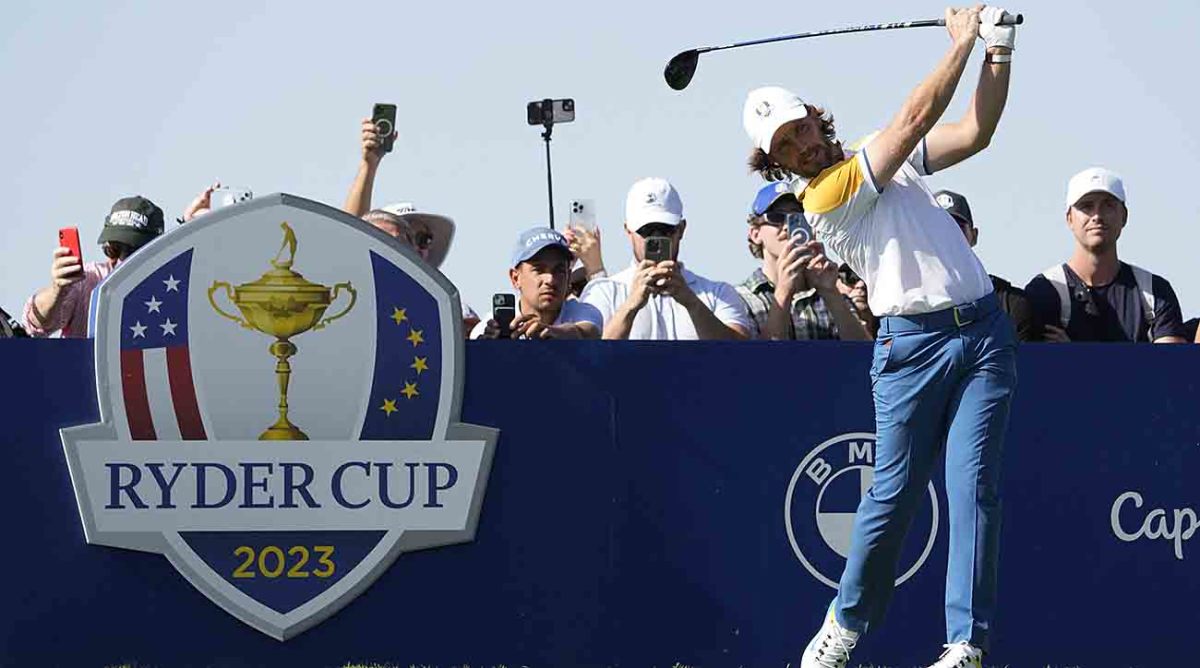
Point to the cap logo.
(128, 219)
(543, 236)
(651, 198)
(763, 109)
(945, 201)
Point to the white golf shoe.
(832, 645)
(960, 655)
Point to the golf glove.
(996, 35)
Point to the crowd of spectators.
(563, 289)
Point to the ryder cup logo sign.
(279, 388)
(823, 497)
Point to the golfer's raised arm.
(950, 143)
(921, 111)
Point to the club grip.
(1009, 20)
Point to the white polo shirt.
(909, 251)
(572, 311)
(663, 318)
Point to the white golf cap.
(652, 200)
(441, 227)
(766, 110)
(1094, 179)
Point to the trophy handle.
(337, 289)
(229, 295)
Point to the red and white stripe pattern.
(156, 365)
(160, 397)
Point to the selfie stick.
(549, 125)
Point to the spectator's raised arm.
(358, 201)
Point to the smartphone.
(658, 249)
(68, 237)
(226, 196)
(799, 229)
(549, 112)
(504, 311)
(583, 214)
(384, 118)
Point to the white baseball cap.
(766, 110)
(441, 227)
(1094, 179)
(652, 200)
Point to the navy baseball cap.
(532, 241)
(768, 195)
(955, 205)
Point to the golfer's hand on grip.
(998, 38)
(963, 24)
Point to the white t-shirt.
(908, 250)
(572, 311)
(663, 319)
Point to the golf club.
(682, 67)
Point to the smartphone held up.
(68, 237)
(384, 118)
(504, 311)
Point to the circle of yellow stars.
(420, 364)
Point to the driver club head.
(681, 69)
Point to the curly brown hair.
(770, 170)
(755, 249)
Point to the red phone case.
(68, 237)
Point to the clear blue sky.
(159, 98)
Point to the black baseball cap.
(133, 221)
(955, 205)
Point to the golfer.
(944, 367)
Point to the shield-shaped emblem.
(279, 388)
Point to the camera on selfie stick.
(546, 113)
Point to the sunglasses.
(115, 250)
(656, 230)
(422, 240)
(847, 275)
(776, 218)
(1089, 302)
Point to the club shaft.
(929, 23)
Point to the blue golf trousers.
(942, 380)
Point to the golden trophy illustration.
(282, 304)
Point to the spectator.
(201, 205)
(663, 300)
(9, 327)
(1012, 300)
(62, 306)
(585, 244)
(1094, 296)
(579, 281)
(428, 234)
(854, 288)
(794, 294)
(541, 262)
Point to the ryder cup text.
(208, 485)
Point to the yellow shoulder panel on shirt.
(833, 187)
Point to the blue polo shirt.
(1113, 312)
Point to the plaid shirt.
(810, 317)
